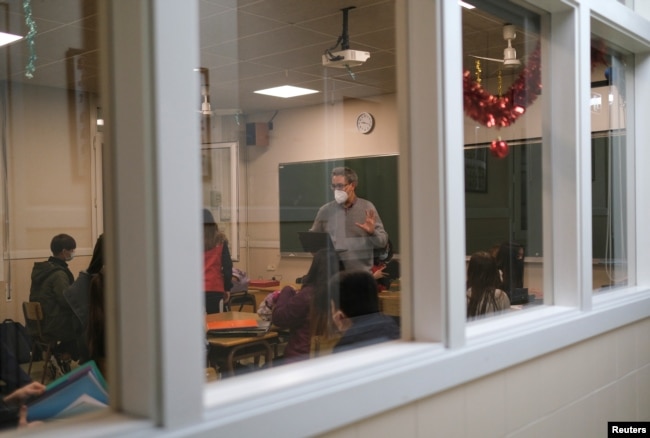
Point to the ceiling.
(249, 45)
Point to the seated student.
(385, 269)
(11, 373)
(13, 411)
(483, 280)
(78, 294)
(355, 311)
(510, 261)
(50, 279)
(297, 310)
(96, 331)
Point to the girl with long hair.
(217, 264)
(483, 280)
(306, 313)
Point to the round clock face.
(365, 123)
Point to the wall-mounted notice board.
(305, 187)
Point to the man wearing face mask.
(49, 280)
(352, 222)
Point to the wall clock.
(365, 123)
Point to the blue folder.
(85, 381)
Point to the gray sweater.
(355, 245)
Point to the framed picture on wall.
(476, 170)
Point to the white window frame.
(152, 211)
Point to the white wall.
(49, 135)
(572, 392)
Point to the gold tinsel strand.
(500, 84)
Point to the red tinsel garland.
(490, 110)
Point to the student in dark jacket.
(78, 294)
(50, 279)
(356, 311)
(293, 309)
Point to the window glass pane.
(269, 167)
(51, 148)
(503, 166)
(611, 76)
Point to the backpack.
(240, 280)
(14, 338)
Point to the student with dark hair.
(50, 279)
(96, 331)
(305, 312)
(483, 280)
(355, 309)
(510, 261)
(78, 294)
(217, 264)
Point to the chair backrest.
(33, 317)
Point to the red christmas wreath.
(499, 111)
(491, 110)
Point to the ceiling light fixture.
(8, 38)
(466, 5)
(286, 91)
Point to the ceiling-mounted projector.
(345, 58)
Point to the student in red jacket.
(217, 266)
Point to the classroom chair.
(242, 298)
(33, 317)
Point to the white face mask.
(340, 196)
(70, 257)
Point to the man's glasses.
(339, 186)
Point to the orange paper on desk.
(263, 283)
(232, 324)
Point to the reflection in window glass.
(610, 74)
(503, 166)
(51, 154)
(324, 161)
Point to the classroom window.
(285, 150)
(503, 150)
(612, 80)
(51, 167)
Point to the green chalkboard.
(305, 187)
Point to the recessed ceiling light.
(8, 38)
(466, 5)
(286, 91)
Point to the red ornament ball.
(499, 148)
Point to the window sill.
(361, 383)
(101, 423)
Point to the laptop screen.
(313, 241)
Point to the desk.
(261, 292)
(227, 350)
(390, 303)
